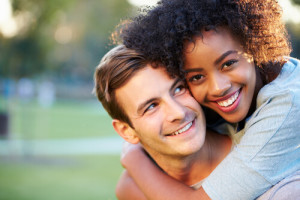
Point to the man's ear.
(125, 131)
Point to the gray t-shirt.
(287, 189)
(269, 149)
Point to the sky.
(9, 25)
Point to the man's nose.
(175, 111)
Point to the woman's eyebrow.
(223, 56)
(193, 70)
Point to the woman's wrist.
(131, 155)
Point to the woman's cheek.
(197, 94)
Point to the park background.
(56, 141)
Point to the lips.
(230, 102)
(184, 129)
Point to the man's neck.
(197, 166)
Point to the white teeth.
(229, 101)
(183, 129)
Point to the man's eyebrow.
(223, 56)
(148, 101)
(144, 104)
(175, 83)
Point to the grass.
(63, 120)
(58, 177)
(74, 178)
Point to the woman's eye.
(196, 78)
(228, 64)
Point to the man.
(156, 110)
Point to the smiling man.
(156, 110)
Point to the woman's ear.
(125, 131)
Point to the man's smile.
(184, 129)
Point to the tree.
(296, 1)
(294, 32)
(37, 48)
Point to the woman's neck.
(260, 82)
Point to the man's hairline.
(148, 64)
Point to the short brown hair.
(115, 69)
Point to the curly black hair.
(161, 31)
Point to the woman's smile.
(230, 103)
(220, 75)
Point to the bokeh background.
(56, 141)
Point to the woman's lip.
(231, 107)
(227, 96)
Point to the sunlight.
(143, 2)
(8, 26)
(290, 12)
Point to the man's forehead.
(146, 84)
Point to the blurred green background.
(56, 141)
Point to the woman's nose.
(219, 84)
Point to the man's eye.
(150, 107)
(180, 89)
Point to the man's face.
(166, 119)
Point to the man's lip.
(172, 133)
(226, 96)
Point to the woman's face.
(220, 75)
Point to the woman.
(233, 55)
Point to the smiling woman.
(221, 76)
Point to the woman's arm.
(127, 189)
(153, 182)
